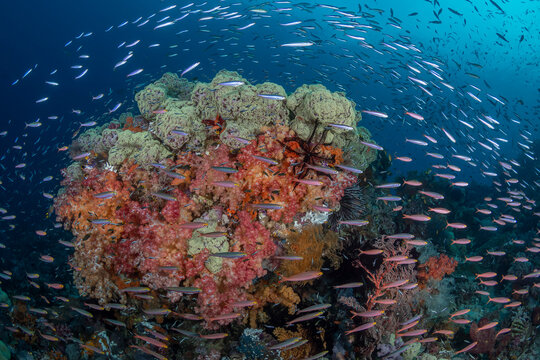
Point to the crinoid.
(310, 154)
(352, 205)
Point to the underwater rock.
(252, 345)
(73, 352)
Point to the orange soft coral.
(259, 180)
(278, 183)
(130, 126)
(79, 208)
(435, 268)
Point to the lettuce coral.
(141, 147)
(316, 104)
(244, 111)
(180, 116)
(151, 98)
(197, 243)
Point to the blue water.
(466, 49)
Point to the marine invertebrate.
(435, 268)
(388, 282)
(140, 147)
(386, 349)
(265, 292)
(387, 273)
(150, 100)
(313, 244)
(314, 104)
(243, 109)
(293, 352)
(178, 205)
(177, 124)
(129, 125)
(80, 209)
(485, 338)
(310, 154)
(353, 204)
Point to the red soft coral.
(435, 268)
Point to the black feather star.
(309, 152)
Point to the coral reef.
(150, 99)
(388, 281)
(244, 111)
(252, 345)
(196, 192)
(316, 104)
(388, 272)
(484, 338)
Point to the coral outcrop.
(191, 197)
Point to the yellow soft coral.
(265, 293)
(313, 244)
(299, 352)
